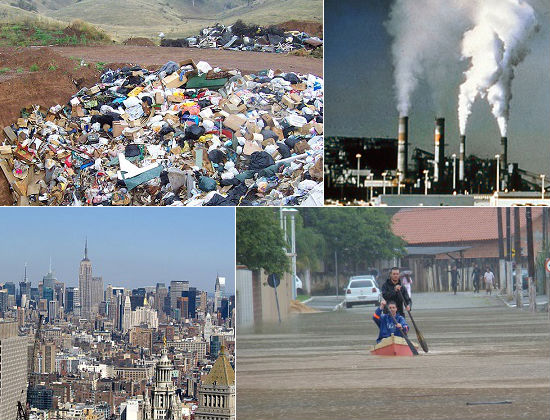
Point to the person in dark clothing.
(476, 274)
(454, 278)
(393, 290)
(390, 323)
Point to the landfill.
(185, 134)
(244, 37)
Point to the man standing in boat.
(393, 290)
(390, 323)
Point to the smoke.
(426, 44)
(495, 46)
(430, 37)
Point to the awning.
(433, 250)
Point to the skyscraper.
(97, 293)
(177, 288)
(165, 402)
(219, 292)
(85, 285)
(13, 369)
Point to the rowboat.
(392, 346)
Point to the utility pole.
(501, 263)
(509, 280)
(517, 249)
(336, 270)
(531, 261)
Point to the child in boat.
(386, 321)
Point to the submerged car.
(362, 290)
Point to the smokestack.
(439, 151)
(504, 154)
(402, 147)
(461, 157)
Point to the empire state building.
(85, 284)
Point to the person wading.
(393, 290)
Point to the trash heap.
(248, 38)
(185, 134)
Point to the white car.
(362, 289)
(298, 283)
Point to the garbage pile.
(186, 134)
(248, 38)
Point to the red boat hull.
(392, 346)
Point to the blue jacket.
(387, 326)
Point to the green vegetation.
(260, 240)
(100, 65)
(302, 298)
(4, 70)
(37, 32)
(52, 67)
(34, 67)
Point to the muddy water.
(318, 366)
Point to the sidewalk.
(542, 301)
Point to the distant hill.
(176, 18)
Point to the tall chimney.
(402, 147)
(504, 155)
(439, 149)
(461, 157)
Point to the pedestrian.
(406, 281)
(454, 278)
(476, 274)
(489, 278)
(390, 323)
(393, 290)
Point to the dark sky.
(130, 247)
(360, 96)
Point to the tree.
(260, 240)
(358, 234)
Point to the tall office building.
(49, 279)
(13, 370)
(97, 293)
(191, 294)
(219, 292)
(177, 288)
(10, 287)
(53, 310)
(85, 285)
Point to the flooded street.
(318, 366)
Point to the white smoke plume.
(426, 44)
(430, 37)
(495, 46)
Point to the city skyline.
(117, 248)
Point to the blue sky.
(130, 247)
(360, 96)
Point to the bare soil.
(311, 28)
(139, 41)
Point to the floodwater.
(318, 366)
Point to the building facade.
(85, 285)
(13, 370)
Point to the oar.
(410, 344)
(419, 335)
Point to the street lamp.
(292, 254)
(542, 188)
(384, 174)
(358, 156)
(426, 172)
(497, 157)
(454, 171)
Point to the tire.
(348, 305)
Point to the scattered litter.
(240, 36)
(186, 134)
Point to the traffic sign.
(273, 280)
(547, 264)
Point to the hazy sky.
(130, 247)
(360, 96)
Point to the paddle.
(409, 343)
(419, 335)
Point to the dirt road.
(319, 366)
(246, 61)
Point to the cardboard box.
(118, 127)
(234, 122)
(173, 81)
